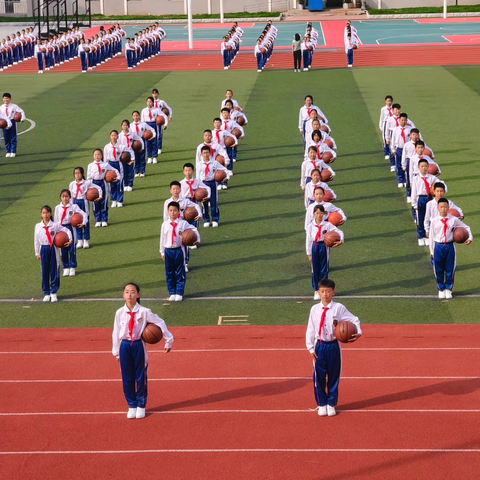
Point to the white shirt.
(154, 112)
(8, 111)
(139, 127)
(437, 232)
(40, 235)
(222, 135)
(162, 104)
(320, 147)
(215, 147)
(312, 231)
(397, 140)
(304, 115)
(186, 192)
(308, 166)
(432, 212)
(310, 188)
(70, 210)
(213, 166)
(166, 234)
(235, 103)
(409, 151)
(94, 173)
(184, 203)
(329, 208)
(385, 114)
(80, 192)
(336, 311)
(127, 139)
(142, 317)
(112, 153)
(414, 159)
(418, 187)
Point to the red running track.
(233, 402)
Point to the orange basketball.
(60, 239)
(241, 121)
(189, 214)
(324, 128)
(220, 176)
(147, 135)
(137, 145)
(454, 212)
(189, 238)
(220, 159)
(330, 238)
(344, 331)
(325, 175)
(152, 333)
(335, 218)
(3, 123)
(200, 194)
(329, 142)
(229, 142)
(432, 169)
(110, 176)
(328, 157)
(92, 194)
(428, 152)
(76, 220)
(237, 132)
(17, 117)
(160, 120)
(328, 196)
(125, 157)
(460, 235)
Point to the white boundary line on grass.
(31, 127)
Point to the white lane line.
(229, 379)
(323, 35)
(31, 127)
(445, 38)
(246, 450)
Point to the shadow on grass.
(384, 261)
(255, 258)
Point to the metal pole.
(444, 8)
(209, 7)
(190, 28)
(269, 5)
(222, 19)
(379, 4)
(185, 7)
(125, 7)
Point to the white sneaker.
(350, 66)
(331, 411)
(98, 224)
(172, 298)
(66, 272)
(214, 224)
(219, 187)
(400, 185)
(141, 175)
(322, 411)
(53, 298)
(114, 204)
(257, 70)
(206, 224)
(132, 413)
(234, 160)
(186, 268)
(392, 169)
(316, 296)
(178, 298)
(159, 151)
(104, 224)
(150, 160)
(193, 247)
(448, 294)
(119, 204)
(421, 242)
(85, 244)
(72, 272)
(409, 199)
(442, 294)
(137, 175)
(224, 187)
(46, 298)
(12, 155)
(140, 413)
(387, 157)
(154, 160)
(79, 244)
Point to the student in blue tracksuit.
(8, 110)
(111, 154)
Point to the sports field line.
(249, 450)
(31, 127)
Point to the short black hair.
(175, 182)
(414, 130)
(316, 132)
(135, 111)
(310, 97)
(174, 204)
(216, 119)
(318, 188)
(225, 109)
(205, 148)
(189, 165)
(420, 142)
(154, 90)
(438, 185)
(66, 190)
(403, 115)
(396, 105)
(319, 207)
(315, 170)
(312, 148)
(150, 98)
(423, 160)
(389, 97)
(443, 200)
(327, 283)
(7, 95)
(207, 131)
(46, 207)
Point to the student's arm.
(432, 204)
(162, 241)
(333, 208)
(344, 315)
(308, 218)
(36, 241)
(303, 174)
(458, 223)
(92, 185)
(414, 195)
(382, 117)
(206, 187)
(333, 228)
(310, 334)
(306, 197)
(117, 173)
(77, 209)
(191, 227)
(167, 336)
(148, 127)
(308, 238)
(19, 110)
(116, 336)
(300, 121)
(452, 205)
(56, 215)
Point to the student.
(83, 55)
(39, 55)
(149, 115)
(161, 104)
(172, 251)
(235, 114)
(126, 138)
(442, 248)
(351, 40)
(206, 172)
(421, 196)
(318, 142)
(78, 189)
(215, 149)
(313, 163)
(111, 154)
(96, 173)
(8, 110)
(189, 185)
(328, 207)
(129, 53)
(138, 127)
(183, 202)
(390, 124)
(219, 135)
(385, 114)
(324, 348)
(229, 98)
(47, 254)
(63, 215)
(432, 206)
(304, 114)
(315, 125)
(310, 188)
(397, 142)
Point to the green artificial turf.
(259, 248)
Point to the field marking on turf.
(242, 319)
(31, 127)
(247, 450)
(216, 379)
(409, 36)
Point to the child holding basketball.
(47, 254)
(130, 350)
(311, 186)
(385, 114)
(324, 348)
(314, 162)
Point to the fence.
(14, 7)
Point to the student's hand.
(39, 258)
(118, 359)
(468, 242)
(167, 350)
(67, 244)
(355, 337)
(130, 163)
(314, 355)
(225, 180)
(164, 127)
(205, 199)
(170, 119)
(8, 128)
(337, 244)
(310, 258)
(80, 226)
(394, 154)
(197, 218)
(303, 188)
(163, 257)
(341, 223)
(461, 218)
(98, 200)
(301, 133)
(404, 169)
(387, 142)
(331, 177)
(427, 235)
(115, 181)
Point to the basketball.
(87, 49)
(325, 175)
(328, 157)
(354, 46)
(330, 238)
(220, 159)
(454, 212)
(432, 169)
(460, 235)
(428, 152)
(137, 145)
(152, 333)
(3, 123)
(125, 157)
(110, 176)
(50, 49)
(335, 218)
(328, 196)
(166, 111)
(200, 194)
(241, 121)
(60, 239)
(344, 331)
(329, 143)
(432, 191)
(324, 128)
(189, 214)
(17, 117)
(76, 219)
(220, 176)
(189, 237)
(160, 120)
(229, 142)
(236, 132)
(147, 135)
(92, 194)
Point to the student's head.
(403, 119)
(414, 135)
(438, 190)
(396, 109)
(217, 123)
(125, 126)
(297, 37)
(65, 196)
(315, 175)
(136, 116)
(312, 153)
(205, 153)
(97, 155)
(155, 93)
(388, 100)
(419, 147)
(79, 174)
(114, 136)
(175, 188)
(7, 98)
(150, 102)
(173, 210)
(313, 114)
(225, 113)
(131, 294)
(326, 290)
(318, 194)
(316, 124)
(318, 213)
(229, 94)
(207, 136)
(443, 207)
(316, 136)
(188, 170)
(423, 166)
(229, 104)
(308, 100)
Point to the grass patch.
(421, 10)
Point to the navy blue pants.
(140, 162)
(211, 204)
(83, 61)
(320, 260)
(69, 254)
(259, 61)
(444, 262)
(100, 209)
(398, 166)
(151, 145)
(175, 270)
(350, 56)
(50, 270)
(128, 173)
(407, 179)
(305, 59)
(84, 232)
(159, 137)
(130, 62)
(10, 137)
(40, 61)
(328, 365)
(116, 188)
(386, 148)
(421, 211)
(134, 373)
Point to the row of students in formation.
(16, 48)
(320, 148)
(199, 175)
(8, 110)
(304, 49)
(144, 45)
(74, 199)
(351, 40)
(231, 45)
(412, 161)
(264, 47)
